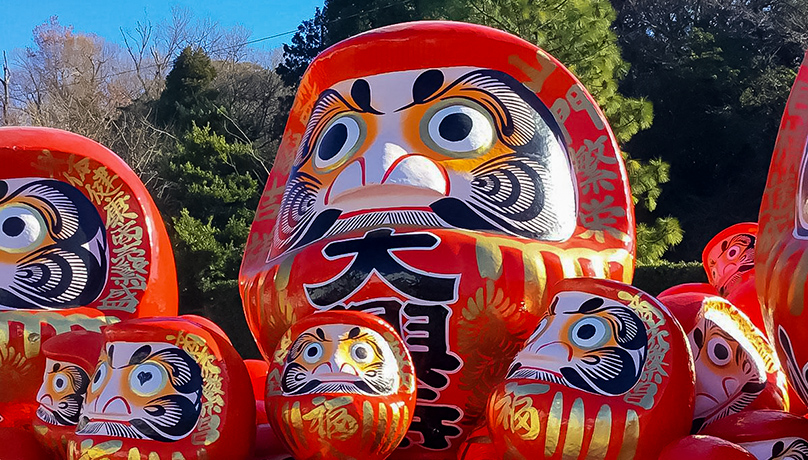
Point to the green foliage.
(655, 278)
(187, 96)
(719, 73)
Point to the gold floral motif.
(645, 390)
(207, 429)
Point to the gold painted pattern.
(631, 435)
(32, 323)
(599, 445)
(653, 373)
(330, 420)
(516, 412)
(207, 429)
(128, 262)
(574, 439)
(554, 425)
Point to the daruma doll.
(342, 385)
(439, 175)
(606, 374)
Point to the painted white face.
(790, 448)
(340, 358)
(456, 147)
(62, 393)
(144, 391)
(587, 342)
(729, 372)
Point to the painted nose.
(388, 164)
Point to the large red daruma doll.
(606, 374)
(439, 175)
(79, 244)
(781, 260)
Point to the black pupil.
(333, 141)
(455, 127)
(97, 376)
(60, 383)
(587, 331)
(13, 226)
(312, 352)
(361, 353)
(721, 352)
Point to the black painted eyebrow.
(360, 92)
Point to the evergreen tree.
(187, 96)
(719, 73)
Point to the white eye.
(147, 379)
(460, 129)
(361, 352)
(340, 139)
(590, 332)
(719, 351)
(60, 382)
(99, 377)
(21, 228)
(312, 353)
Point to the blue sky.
(106, 17)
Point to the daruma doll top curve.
(79, 229)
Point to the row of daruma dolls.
(342, 384)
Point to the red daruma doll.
(781, 261)
(341, 386)
(441, 176)
(606, 373)
(166, 388)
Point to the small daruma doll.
(341, 386)
(729, 260)
(71, 358)
(781, 261)
(607, 373)
(166, 388)
(736, 367)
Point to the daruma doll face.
(442, 192)
(607, 372)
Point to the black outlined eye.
(21, 228)
(340, 139)
(719, 351)
(148, 379)
(590, 332)
(460, 129)
(312, 353)
(99, 377)
(60, 382)
(361, 352)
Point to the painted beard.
(66, 413)
(297, 380)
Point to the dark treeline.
(694, 90)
